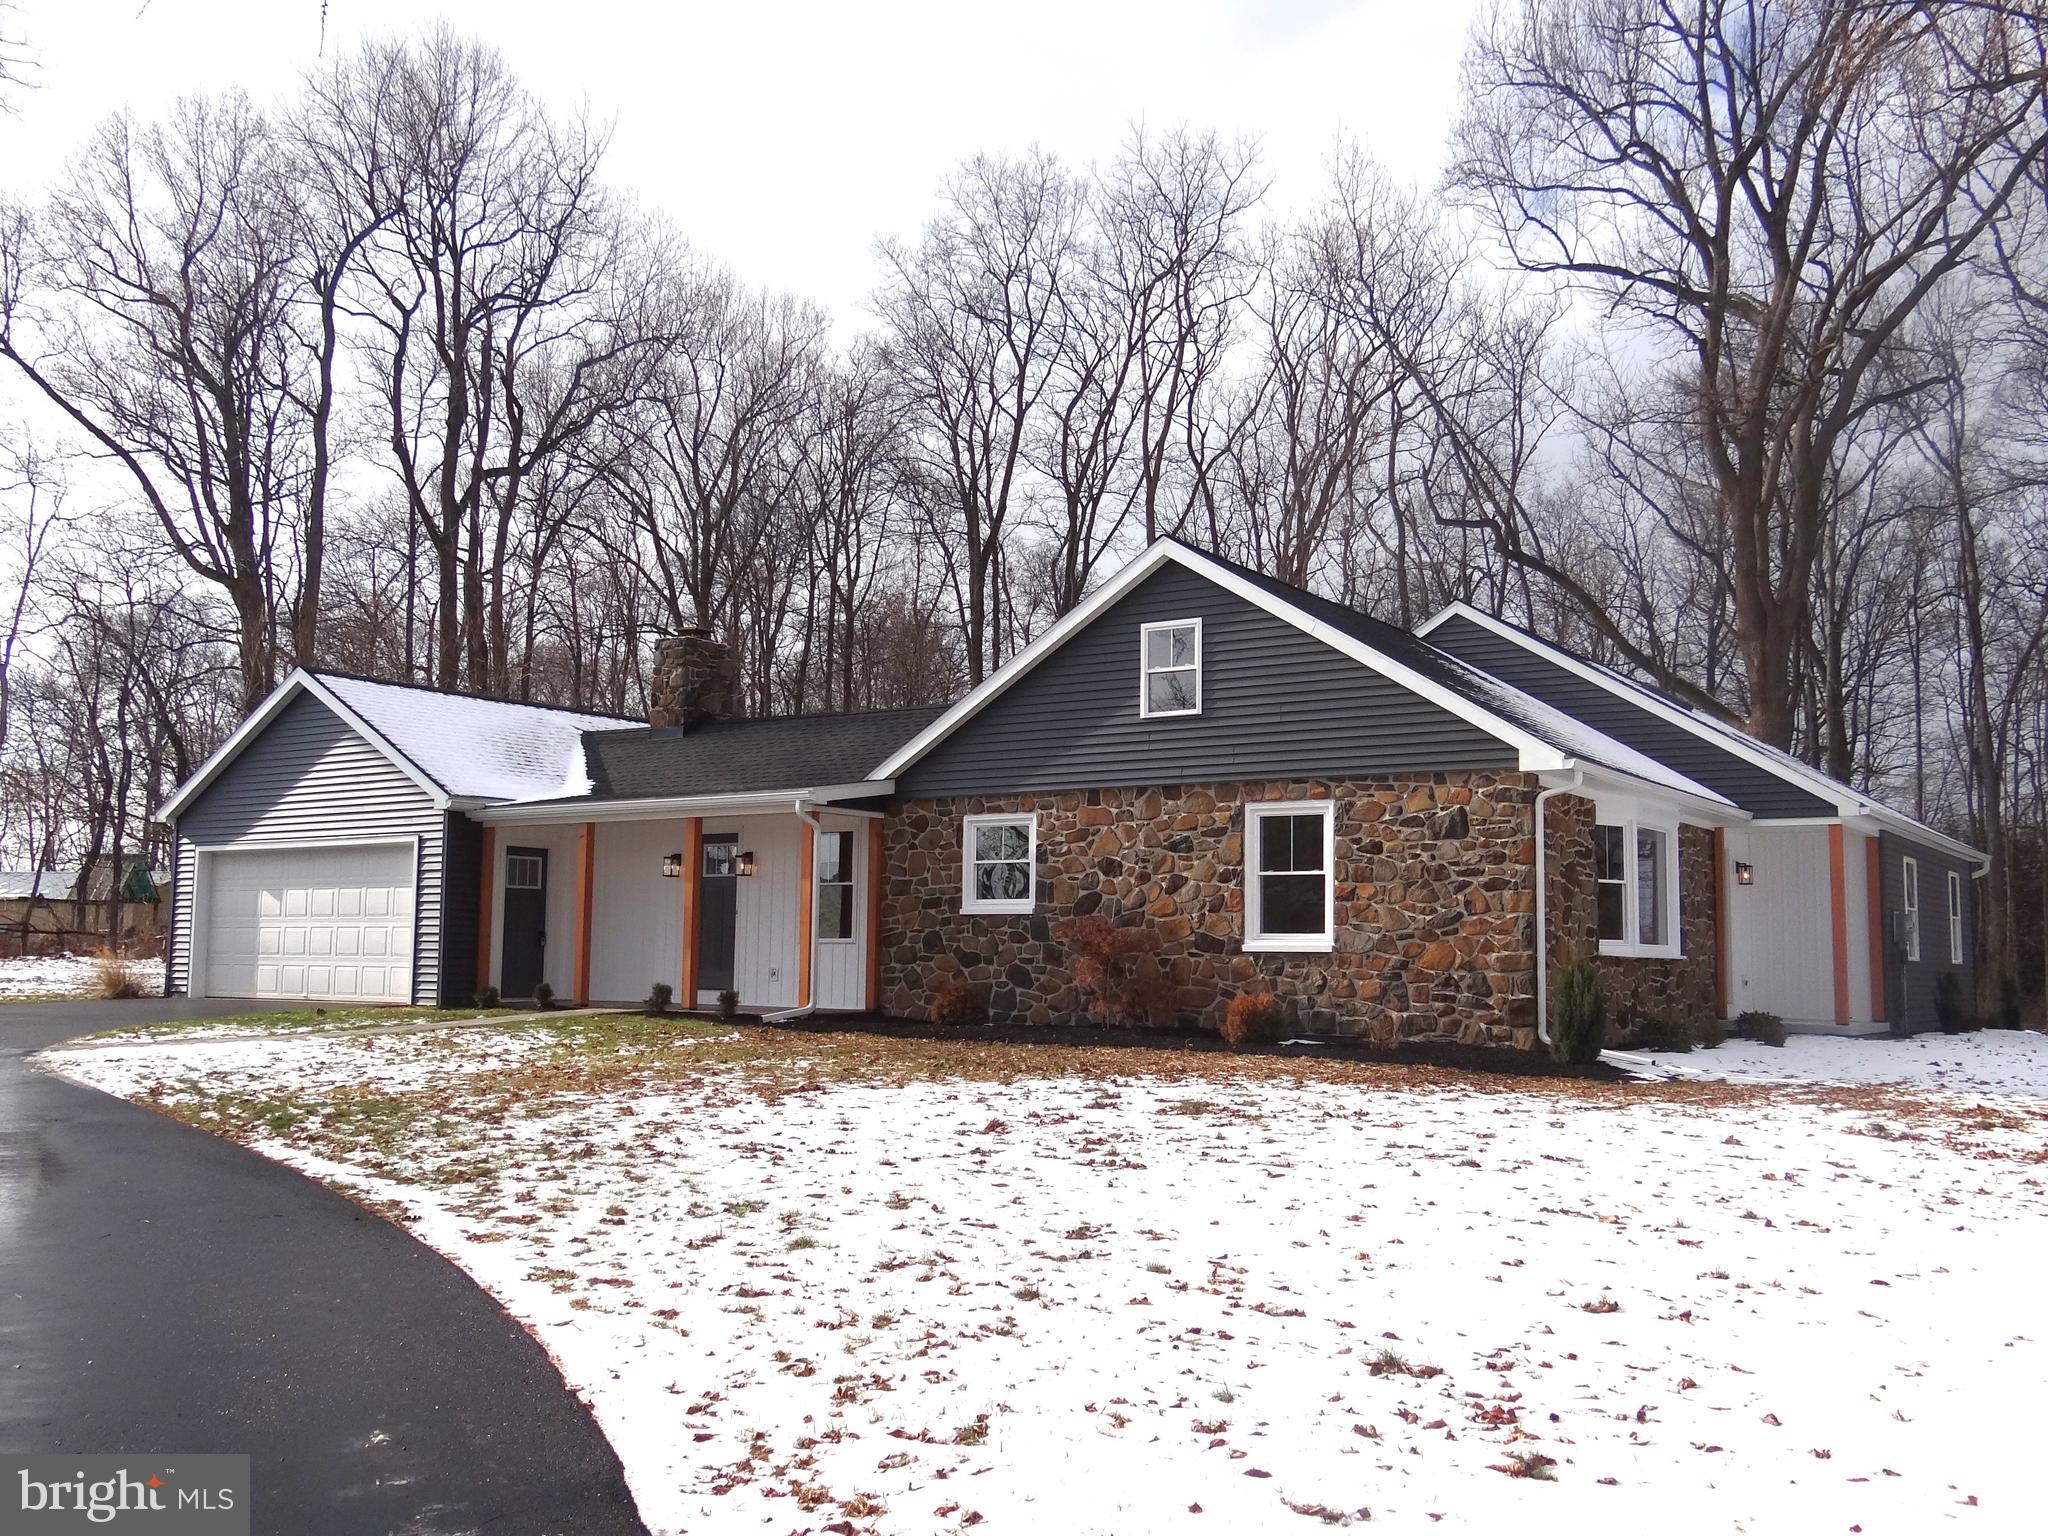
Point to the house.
(47, 909)
(1403, 835)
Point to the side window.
(1653, 879)
(1909, 881)
(1289, 890)
(1955, 918)
(1610, 873)
(999, 856)
(1170, 665)
(835, 885)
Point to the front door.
(718, 922)
(522, 963)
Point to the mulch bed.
(1497, 1060)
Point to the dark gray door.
(522, 963)
(716, 924)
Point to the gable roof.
(1544, 738)
(1768, 782)
(457, 747)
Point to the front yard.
(849, 1284)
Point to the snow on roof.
(1570, 734)
(480, 749)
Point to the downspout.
(804, 1010)
(1578, 780)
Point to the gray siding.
(462, 889)
(1909, 986)
(1276, 703)
(307, 777)
(1756, 790)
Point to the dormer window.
(1172, 668)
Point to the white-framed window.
(835, 886)
(999, 863)
(1909, 883)
(1955, 918)
(1290, 876)
(1635, 875)
(1170, 668)
(523, 871)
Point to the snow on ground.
(1174, 1297)
(63, 976)
(1996, 1062)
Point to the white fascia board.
(1535, 755)
(300, 681)
(1688, 807)
(752, 803)
(1882, 818)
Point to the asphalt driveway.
(162, 1290)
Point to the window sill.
(1616, 950)
(1287, 945)
(999, 908)
(1167, 714)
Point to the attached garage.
(310, 924)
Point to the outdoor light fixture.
(672, 866)
(744, 865)
(1745, 874)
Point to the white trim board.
(1535, 755)
(1847, 801)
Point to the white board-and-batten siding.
(309, 778)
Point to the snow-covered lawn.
(59, 976)
(847, 1284)
(2001, 1063)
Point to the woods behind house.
(1719, 355)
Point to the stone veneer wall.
(1680, 990)
(1434, 889)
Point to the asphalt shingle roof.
(730, 757)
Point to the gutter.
(1578, 780)
(803, 1010)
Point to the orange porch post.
(1720, 922)
(806, 899)
(874, 986)
(586, 881)
(1838, 902)
(693, 886)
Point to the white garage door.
(328, 924)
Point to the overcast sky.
(784, 139)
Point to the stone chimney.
(694, 679)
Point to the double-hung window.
(1171, 668)
(835, 885)
(1955, 918)
(1909, 882)
(1635, 883)
(999, 864)
(1290, 868)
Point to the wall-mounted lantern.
(1745, 874)
(672, 866)
(744, 864)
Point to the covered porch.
(776, 899)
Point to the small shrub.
(1253, 1018)
(543, 995)
(486, 997)
(2008, 1002)
(659, 996)
(1708, 1032)
(1948, 1004)
(1117, 969)
(1654, 1034)
(1758, 1025)
(728, 1006)
(958, 1004)
(1575, 1032)
(116, 976)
